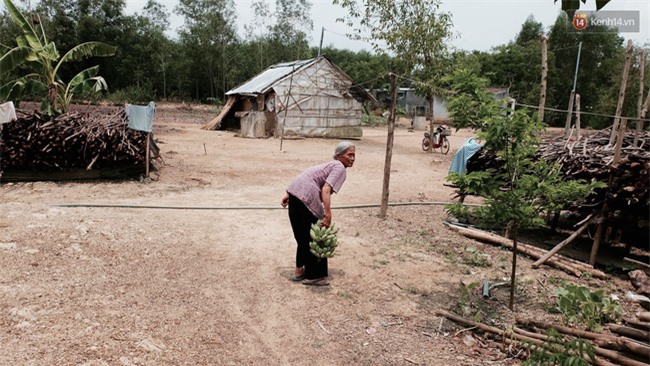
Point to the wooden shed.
(312, 98)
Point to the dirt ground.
(132, 286)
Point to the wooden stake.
(639, 104)
(577, 117)
(621, 93)
(595, 246)
(513, 272)
(567, 124)
(389, 146)
(619, 142)
(147, 156)
(562, 244)
(542, 93)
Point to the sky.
(478, 24)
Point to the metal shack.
(312, 98)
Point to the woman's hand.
(327, 219)
(285, 200)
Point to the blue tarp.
(141, 117)
(469, 148)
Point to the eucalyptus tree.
(279, 32)
(415, 32)
(207, 37)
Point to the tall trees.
(207, 36)
(599, 70)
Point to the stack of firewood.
(623, 345)
(590, 157)
(37, 142)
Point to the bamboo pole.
(562, 244)
(638, 334)
(542, 93)
(621, 93)
(639, 103)
(389, 146)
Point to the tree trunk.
(389, 146)
(542, 93)
(513, 272)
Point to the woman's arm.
(326, 194)
(285, 200)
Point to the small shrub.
(578, 305)
(372, 120)
(557, 352)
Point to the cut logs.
(37, 142)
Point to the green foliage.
(415, 31)
(35, 51)
(133, 94)
(558, 352)
(372, 120)
(578, 305)
(465, 305)
(476, 258)
(517, 194)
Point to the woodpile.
(36, 142)
(592, 158)
(626, 200)
(622, 345)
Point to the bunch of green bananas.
(324, 240)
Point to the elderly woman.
(308, 198)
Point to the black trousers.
(301, 219)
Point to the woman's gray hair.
(342, 147)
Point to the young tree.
(525, 187)
(414, 32)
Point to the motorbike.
(439, 140)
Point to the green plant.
(465, 300)
(475, 257)
(372, 120)
(555, 351)
(35, 51)
(578, 305)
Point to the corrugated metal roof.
(261, 83)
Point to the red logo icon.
(580, 21)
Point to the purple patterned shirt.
(307, 185)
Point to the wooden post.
(432, 104)
(577, 117)
(567, 124)
(147, 156)
(639, 103)
(619, 142)
(542, 94)
(644, 111)
(389, 145)
(621, 93)
(603, 213)
(286, 107)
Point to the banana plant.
(34, 51)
